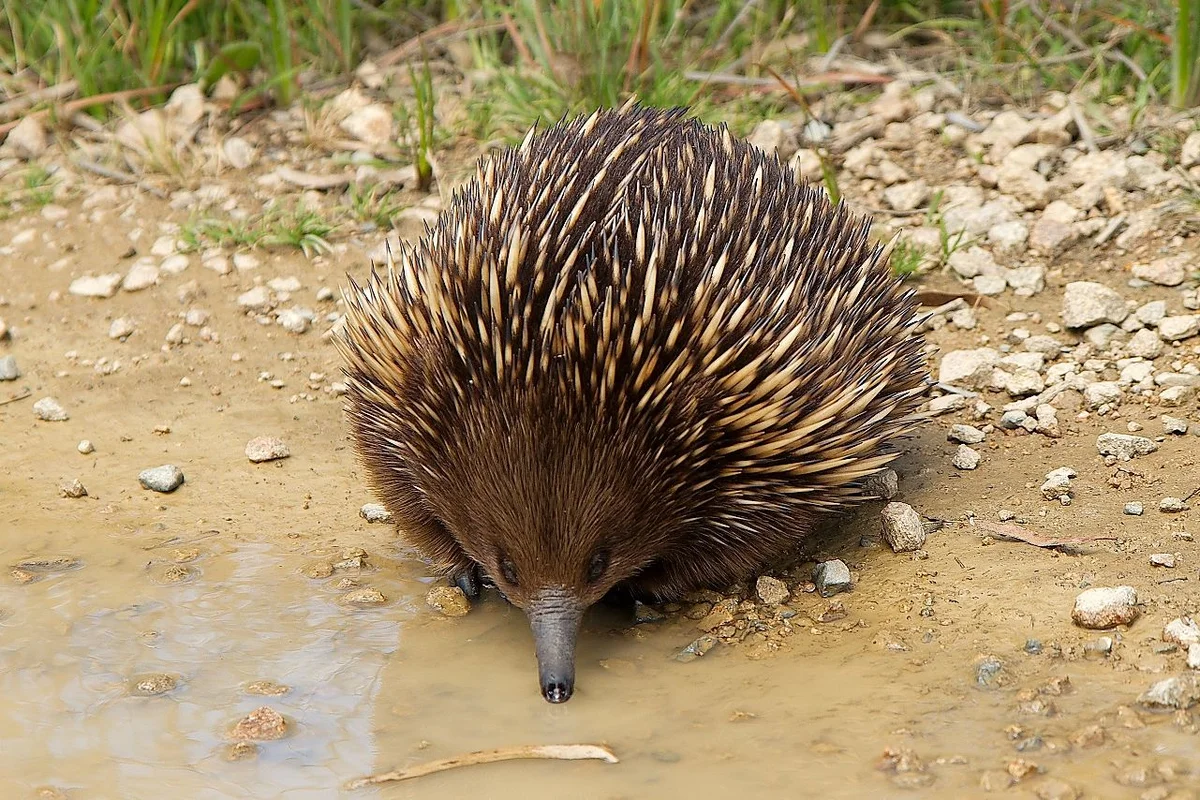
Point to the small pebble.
(155, 683)
(1171, 505)
(989, 672)
(697, 648)
(966, 434)
(262, 724)
(1101, 607)
(375, 512)
(1193, 655)
(9, 371)
(771, 591)
(241, 751)
(965, 458)
(902, 527)
(884, 484)
(831, 577)
(85, 446)
(267, 689)
(266, 448)
(1033, 647)
(367, 596)
(73, 489)
(48, 410)
(1174, 425)
(1134, 509)
(448, 601)
(1163, 560)
(164, 479)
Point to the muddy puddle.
(98, 617)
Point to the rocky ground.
(169, 318)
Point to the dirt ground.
(220, 584)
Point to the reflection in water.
(69, 643)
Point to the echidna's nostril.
(557, 692)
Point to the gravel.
(1135, 509)
(1101, 608)
(49, 410)
(1171, 505)
(164, 479)
(9, 371)
(266, 448)
(1166, 560)
(1175, 329)
(902, 527)
(831, 577)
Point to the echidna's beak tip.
(558, 691)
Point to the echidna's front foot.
(469, 579)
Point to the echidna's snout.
(555, 617)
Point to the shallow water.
(377, 688)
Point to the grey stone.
(1175, 329)
(164, 479)
(1145, 344)
(1134, 509)
(1123, 446)
(102, 286)
(965, 434)
(1171, 505)
(970, 369)
(1180, 692)
(1167, 271)
(1174, 425)
(965, 458)
(903, 529)
(973, 261)
(1086, 303)
(1164, 560)
(1102, 393)
(1152, 313)
(884, 484)
(989, 285)
(1013, 419)
(9, 371)
(831, 577)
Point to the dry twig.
(564, 752)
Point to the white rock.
(49, 410)
(120, 328)
(1182, 631)
(1102, 608)
(773, 138)
(266, 448)
(1102, 393)
(989, 285)
(1153, 312)
(173, 265)
(971, 369)
(27, 140)
(371, 124)
(293, 320)
(1025, 185)
(258, 299)
(902, 527)
(1168, 271)
(1190, 153)
(1123, 446)
(244, 261)
(966, 458)
(1026, 281)
(140, 276)
(196, 317)
(96, 285)
(906, 196)
(1175, 329)
(238, 152)
(973, 261)
(1177, 396)
(1193, 656)
(1024, 382)
(1086, 303)
(1009, 238)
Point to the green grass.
(372, 204)
(907, 259)
(276, 226)
(35, 190)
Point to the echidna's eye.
(508, 570)
(597, 566)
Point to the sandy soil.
(396, 684)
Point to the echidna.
(633, 354)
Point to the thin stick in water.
(564, 752)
